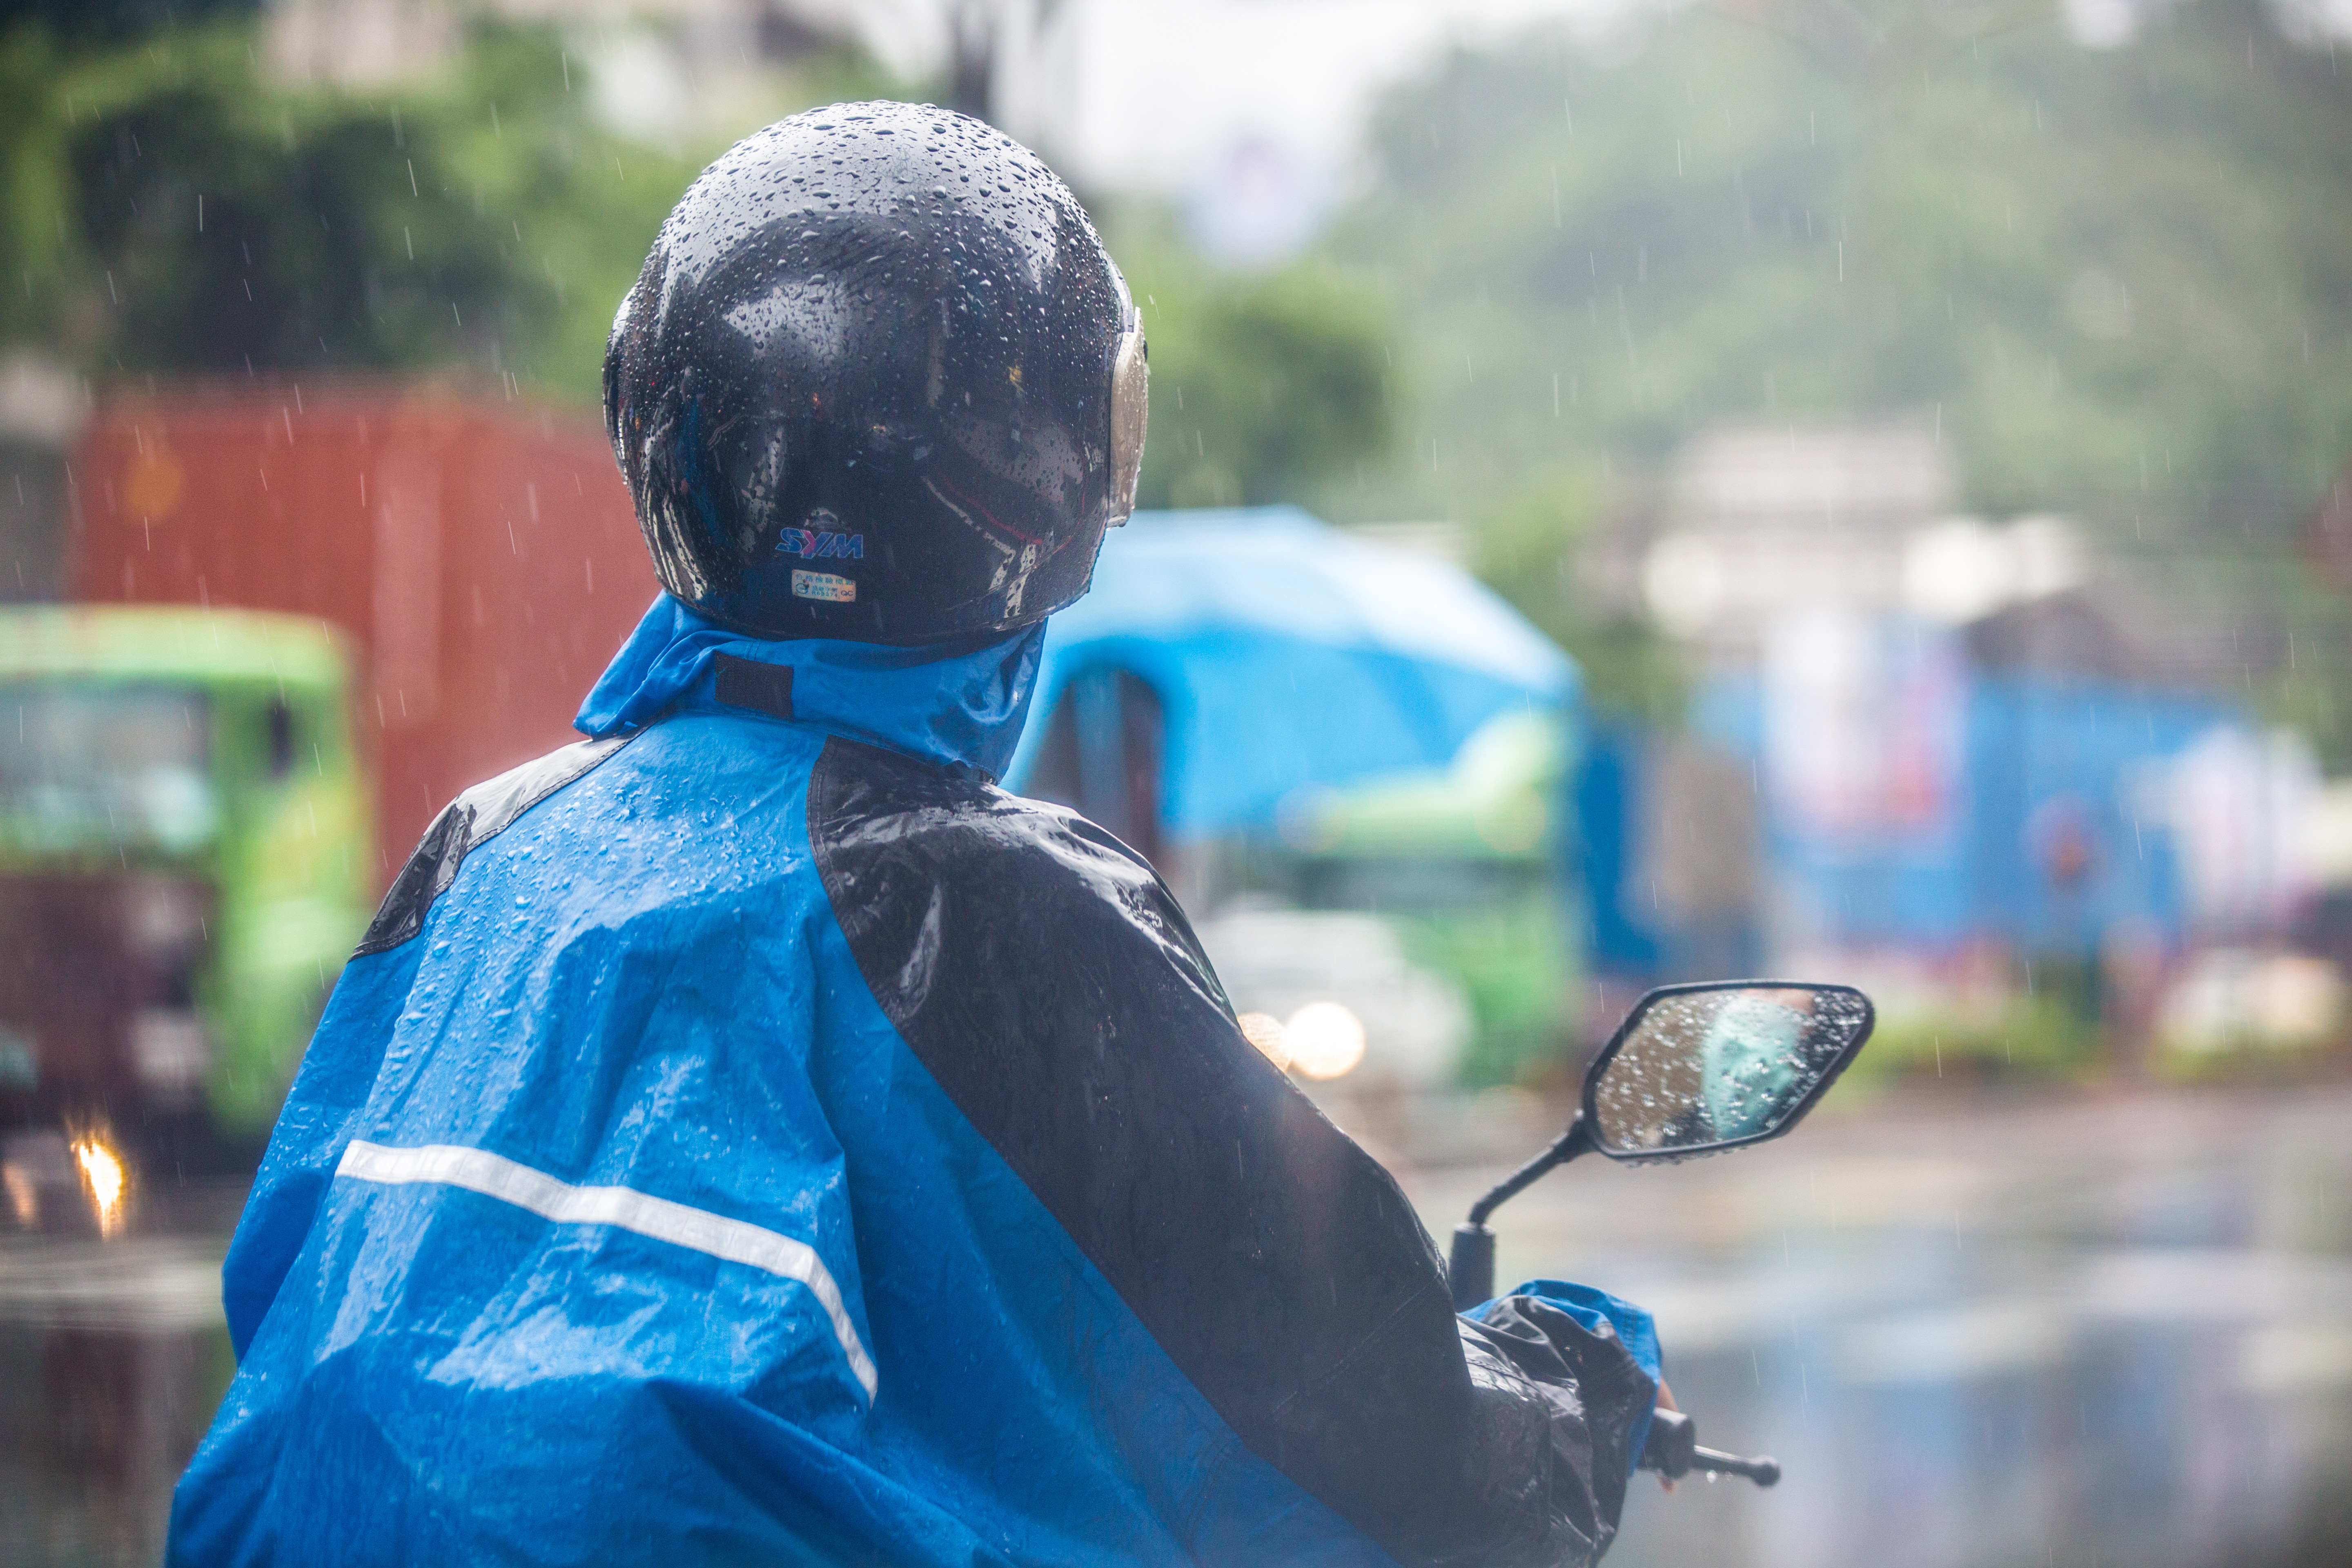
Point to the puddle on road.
(112, 1356)
(2010, 1433)
(95, 1426)
(2062, 1337)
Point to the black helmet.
(879, 380)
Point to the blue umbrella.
(1288, 654)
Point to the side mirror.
(1697, 1070)
(1694, 1070)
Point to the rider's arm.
(1049, 983)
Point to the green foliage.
(205, 222)
(581, 207)
(1526, 546)
(38, 297)
(2119, 282)
(2025, 1036)
(481, 221)
(300, 253)
(114, 20)
(1264, 385)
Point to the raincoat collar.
(957, 709)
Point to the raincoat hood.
(959, 707)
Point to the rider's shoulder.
(950, 891)
(869, 808)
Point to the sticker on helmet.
(823, 585)
(811, 544)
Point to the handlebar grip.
(1764, 1470)
(1672, 1449)
(1672, 1444)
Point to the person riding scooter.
(748, 1135)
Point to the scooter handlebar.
(1764, 1470)
(1673, 1451)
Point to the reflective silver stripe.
(479, 1171)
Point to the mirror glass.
(1700, 1069)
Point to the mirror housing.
(1762, 1074)
(1718, 1065)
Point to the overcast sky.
(1251, 114)
(1156, 94)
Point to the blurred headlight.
(1326, 1040)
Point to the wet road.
(112, 1355)
(1990, 1334)
(1977, 1334)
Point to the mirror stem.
(1470, 1271)
(1574, 1141)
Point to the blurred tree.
(301, 251)
(116, 20)
(2106, 275)
(981, 35)
(45, 49)
(174, 212)
(169, 209)
(1526, 547)
(1265, 386)
(2118, 281)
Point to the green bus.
(1467, 865)
(1431, 907)
(184, 866)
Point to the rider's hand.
(1666, 1402)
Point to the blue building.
(1911, 788)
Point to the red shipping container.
(484, 557)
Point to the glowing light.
(1264, 1031)
(101, 1170)
(23, 1198)
(1326, 1040)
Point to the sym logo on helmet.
(814, 545)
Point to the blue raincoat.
(749, 1136)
